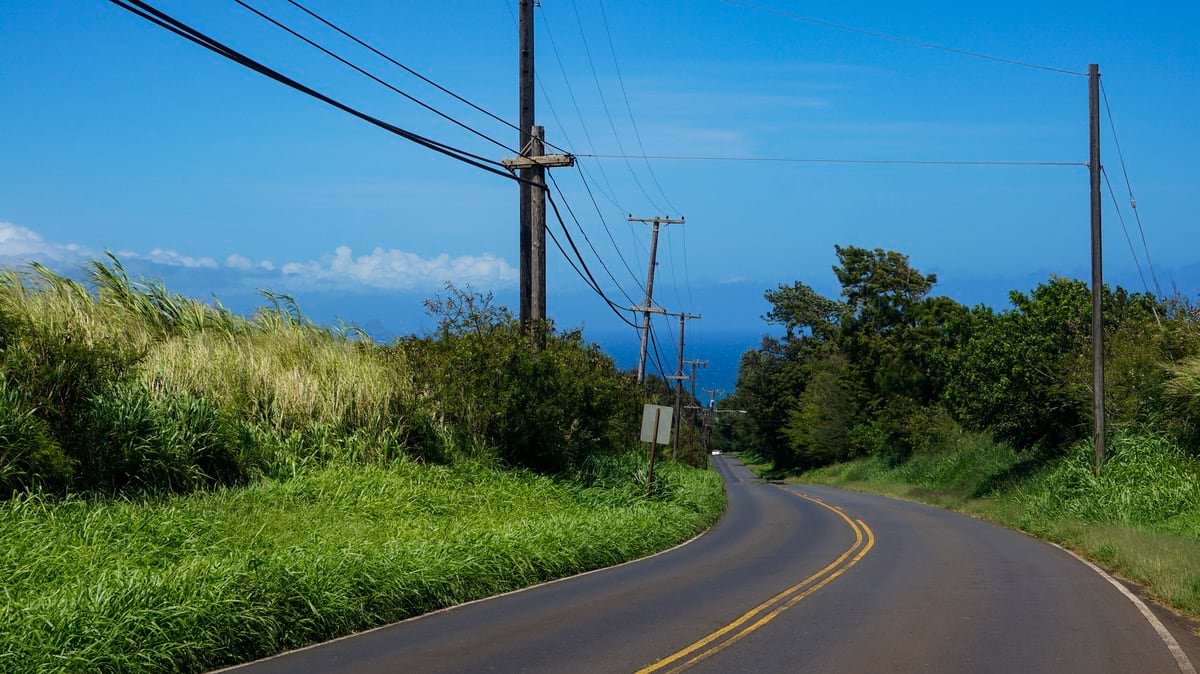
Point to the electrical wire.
(604, 103)
(897, 38)
(613, 240)
(1121, 218)
(588, 239)
(674, 278)
(409, 70)
(611, 195)
(373, 77)
(586, 273)
(1129, 188)
(807, 160)
(628, 108)
(163, 20)
(657, 356)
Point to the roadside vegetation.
(889, 388)
(186, 487)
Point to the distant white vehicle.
(716, 452)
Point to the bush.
(169, 441)
(546, 409)
(29, 456)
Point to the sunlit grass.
(187, 583)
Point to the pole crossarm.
(540, 161)
(651, 310)
(657, 220)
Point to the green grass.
(1140, 518)
(192, 582)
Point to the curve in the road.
(722, 639)
(918, 590)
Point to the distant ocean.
(722, 350)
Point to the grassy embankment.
(188, 488)
(187, 583)
(1140, 518)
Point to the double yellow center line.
(864, 540)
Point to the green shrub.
(172, 442)
(29, 456)
(546, 409)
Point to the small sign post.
(656, 430)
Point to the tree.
(798, 308)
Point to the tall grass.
(113, 383)
(188, 583)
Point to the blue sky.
(118, 136)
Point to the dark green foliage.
(171, 442)
(891, 371)
(818, 428)
(546, 409)
(1010, 377)
(121, 385)
(29, 455)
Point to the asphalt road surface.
(795, 579)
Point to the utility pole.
(694, 366)
(656, 222)
(1094, 168)
(532, 164)
(525, 30)
(710, 414)
(679, 377)
(694, 408)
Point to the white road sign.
(663, 414)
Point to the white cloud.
(399, 270)
(239, 262)
(21, 244)
(171, 258)
(387, 269)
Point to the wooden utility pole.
(710, 414)
(695, 364)
(679, 377)
(532, 164)
(1094, 168)
(694, 409)
(649, 304)
(537, 239)
(526, 95)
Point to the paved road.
(797, 579)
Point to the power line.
(153, 15)
(1121, 218)
(372, 76)
(608, 231)
(674, 277)
(588, 239)
(604, 104)
(625, 94)
(409, 70)
(1129, 188)
(898, 38)
(822, 160)
(657, 355)
(585, 274)
(611, 196)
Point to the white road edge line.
(1181, 658)
(468, 603)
